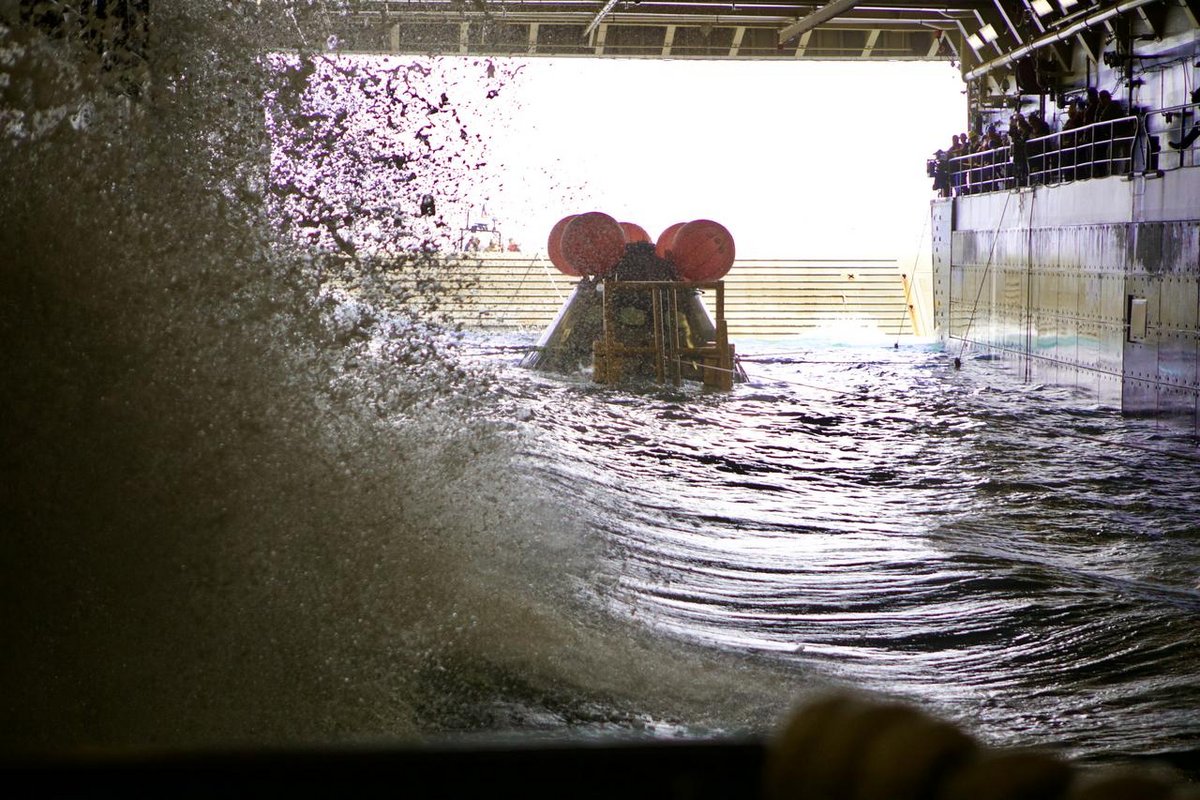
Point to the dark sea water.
(869, 516)
(242, 508)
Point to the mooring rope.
(910, 286)
(982, 281)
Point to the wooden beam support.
(935, 41)
(802, 45)
(739, 33)
(872, 38)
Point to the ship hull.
(1093, 284)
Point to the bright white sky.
(796, 159)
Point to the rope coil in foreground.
(844, 747)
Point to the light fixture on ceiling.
(975, 42)
(988, 33)
(1067, 5)
(1042, 7)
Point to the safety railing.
(985, 171)
(1172, 137)
(1093, 151)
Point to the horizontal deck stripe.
(513, 291)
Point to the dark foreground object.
(661, 770)
(838, 748)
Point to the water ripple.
(960, 538)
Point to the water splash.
(251, 494)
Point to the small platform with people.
(1097, 138)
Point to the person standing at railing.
(1040, 156)
(1037, 125)
(1018, 128)
(1091, 107)
(1187, 140)
(1076, 117)
(1107, 109)
(956, 168)
(1190, 137)
(992, 138)
(1071, 139)
(939, 168)
(1018, 135)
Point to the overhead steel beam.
(1059, 35)
(1092, 42)
(1034, 19)
(884, 19)
(814, 19)
(599, 17)
(1008, 21)
(1156, 19)
(1192, 7)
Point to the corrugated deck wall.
(512, 291)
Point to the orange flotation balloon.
(634, 232)
(702, 250)
(666, 239)
(554, 247)
(593, 243)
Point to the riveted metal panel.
(1138, 395)
(1013, 299)
(1043, 246)
(1177, 333)
(1161, 247)
(1112, 325)
(1045, 280)
(1140, 363)
(1012, 248)
(1137, 320)
(941, 225)
(1068, 316)
(1088, 354)
(1114, 249)
(1044, 301)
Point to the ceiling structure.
(981, 35)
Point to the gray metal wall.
(1059, 279)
